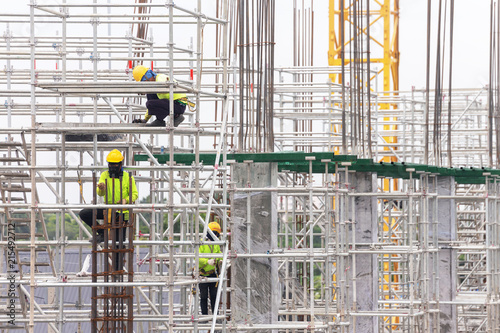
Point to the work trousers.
(86, 216)
(206, 289)
(161, 107)
(118, 258)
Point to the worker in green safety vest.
(209, 268)
(159, 104)
(115, 185)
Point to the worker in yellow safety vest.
(208, 268)
(158, 104)
(115, 185)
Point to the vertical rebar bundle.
(255, 31)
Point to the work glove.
(139, 121)
(211, 262)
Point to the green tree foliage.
(70, 225)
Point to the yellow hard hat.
(214, 226)
(114, 156)
(139, 72)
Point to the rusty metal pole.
(130, 268)
(94, 258)
(427, 87)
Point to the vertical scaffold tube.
(171, 171)
(33, 82)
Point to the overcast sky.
(471, 37)
(470, 43)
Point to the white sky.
(470, 43)
(471, 36)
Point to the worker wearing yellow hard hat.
(115, 185)
(158, 104)
(208, 268)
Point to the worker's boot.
(99, 238)
(177, 120)
(156, 123)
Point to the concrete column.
(446, 215)
(256, 293)
(366, 232)
(491, 258)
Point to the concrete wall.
(447, 257)
(365, 228)
(261, 221)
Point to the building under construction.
(346, 205)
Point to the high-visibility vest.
(205, 268)
(128, 184)
(177, 96)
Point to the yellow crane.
(384, 44)
(382, 16)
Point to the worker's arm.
(132, 188)
(101, 186)
(203, 262)
(217, 250)
(147, 116)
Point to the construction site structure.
(312, 237)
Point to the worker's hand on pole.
(139, 121)
(211, 262)
(101, 186)
(124, 201)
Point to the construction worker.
(208, 268)
(158, 104)
(109, 183)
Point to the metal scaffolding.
(311, 240)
